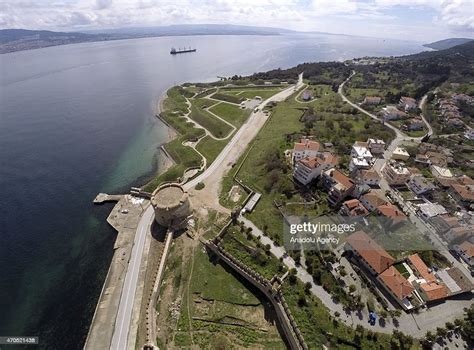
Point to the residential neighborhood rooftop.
(370, 251)
(421, 267)
(398, 284)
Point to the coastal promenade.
(127, 218)
(123, 338)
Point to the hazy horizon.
(415, 20)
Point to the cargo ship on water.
(173, 51)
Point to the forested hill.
(447, 43)
(21, 39)
(412, 74)
(464, 51)
(330, 73)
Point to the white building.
(466, 252)
(305, 149)
(376, 146)
(400, 154)
(371, 201)
(368, 177)
(469, 134)
(438, 171)
(396, 174)
(408, 104)
(420, 185)
(308, 169)
(429, 210)
(361, 151)
(393, 113)
(358, 163)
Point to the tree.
(441, 332)
(302, 300)
(430, 336)
(450, 326)
(352, 288)
(286, 187)
(467, 328)
(329, 124)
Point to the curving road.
(120, 338)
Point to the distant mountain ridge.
(447, 43)
(23, 39)
(194, 29)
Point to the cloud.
(103, 4)
(365, 17)
(458, 13)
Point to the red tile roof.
(421, 267)
(377, 257)
(465, 192)
(309, 162)
(369, 174)
(341, 178)
(468, 248)
(315, 162)
(390, 211)
(434, 291)
(355, 207)
(398, 284)
(351, 203)
(373, 199)
(306, 144)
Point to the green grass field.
(231, 113)
(222, 311)
(210, 148)
(216, 127)
(213, 281)
(227, 97)
(263, 93)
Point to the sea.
(76, 120)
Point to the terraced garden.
(187, 104)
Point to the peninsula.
(202, 257)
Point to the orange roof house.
(353, 207)
(392, 212)
(373, 255)
(306, 144)
(464, 192)
(396, 283)
(434, 291)
(416, 262)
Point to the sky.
(419, 20)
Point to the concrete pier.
(105, 198)
(124, 218)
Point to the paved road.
(122, 323)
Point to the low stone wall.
(152, 297)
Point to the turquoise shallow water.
(79, 119)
